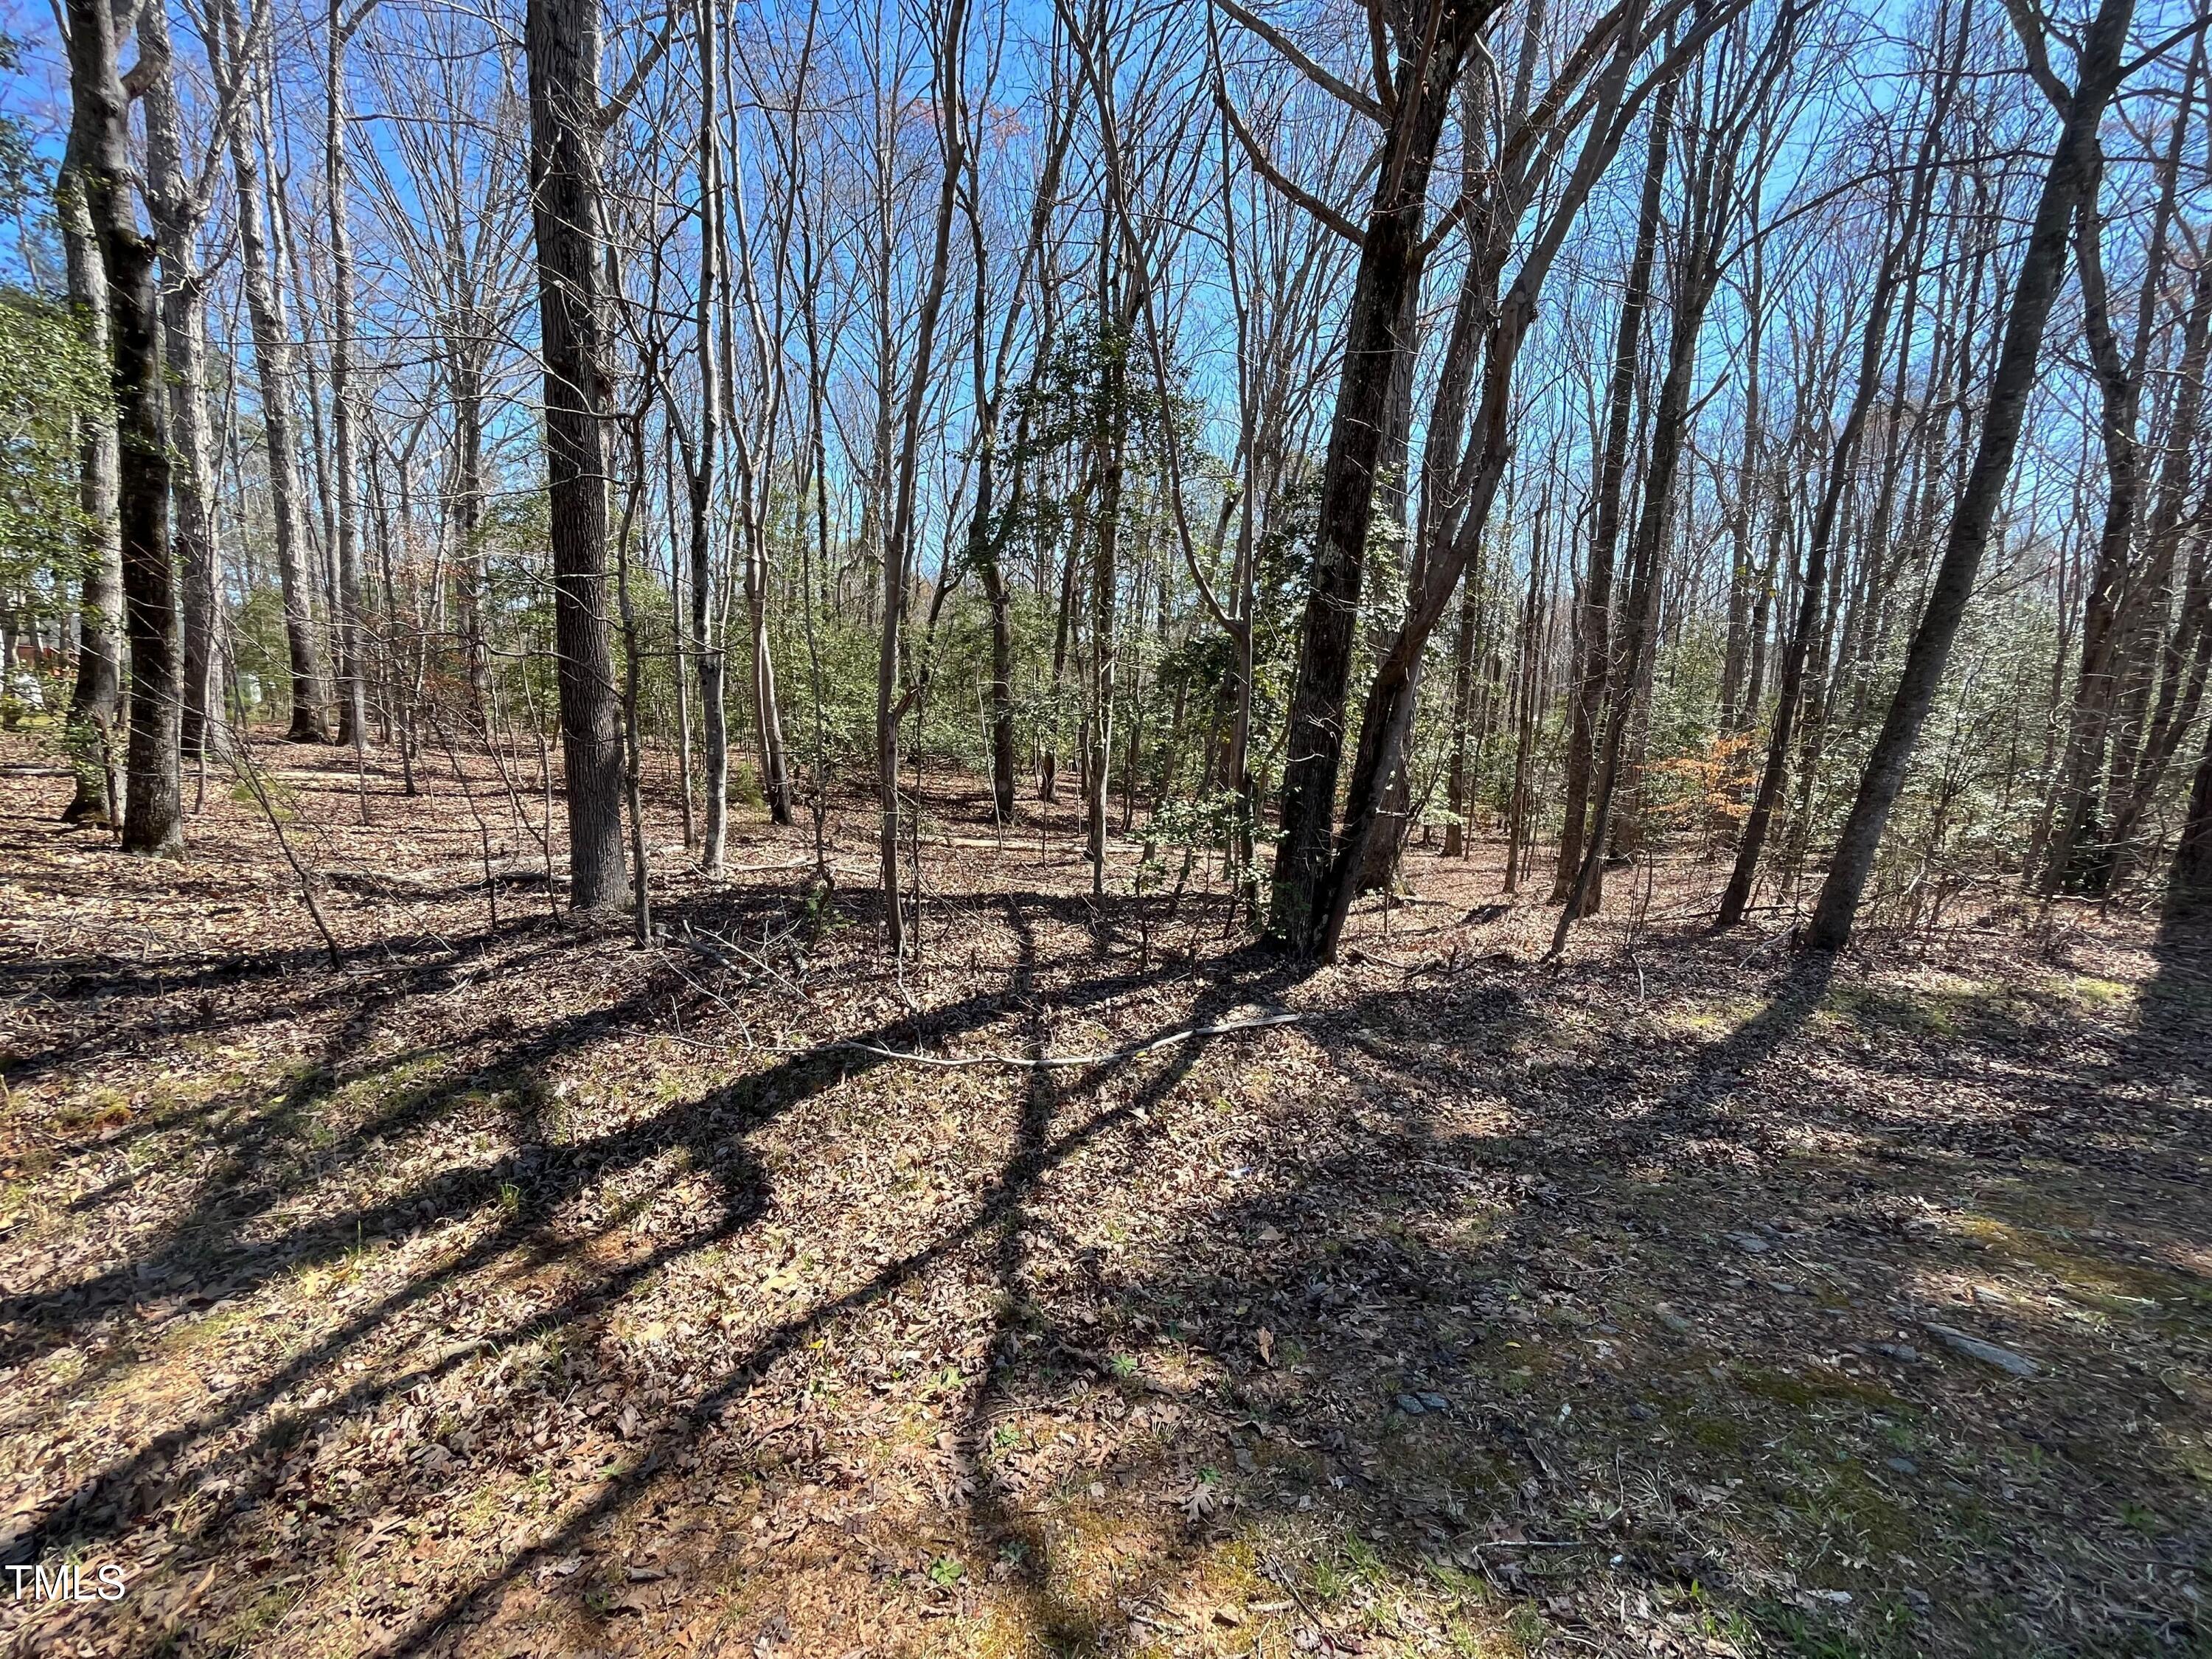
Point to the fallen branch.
(1427, 965)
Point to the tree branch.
(1306, 66)
(1298, 193)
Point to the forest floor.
(518, 1292)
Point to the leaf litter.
(520, 1292)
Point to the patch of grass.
(1526, 1629)
(2117, 1288)
(1809, 1391)
(1786, 1630)
(1879, 1009)
(2095, 995)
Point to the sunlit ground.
(520, 1292)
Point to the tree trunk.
(199, 558)
(1105, 577)
(465, 365)
(1002, 690)
(353, 707)
(891, 702)
(1457, 794)
(2033, 290)
(2081, 856)
(1595, 670)
(1524, 726)
(153, 807)
(1872, 353)
(179, 212)
(1742, 575)
(1388, 713)
(2189, 890)
(97, 696)
(1062, 638)
(1712, 198)
(767, 716)
(562, 43)
(1389, 270)
(709, 656)
(272, 361)
(2154, 729)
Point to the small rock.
(1673, 1320)
(1901, 1465)
(1641, 1412)
(1409, 1404)
(1435, 1402)
(1749, 1244)
(1903, 1353)
(2018, 1364)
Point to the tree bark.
(1389, 270)
(353, 705)
(708, 653)
(1457, 792)
(179, 210)
(153, 808)
(97, 696)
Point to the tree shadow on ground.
(1515, 1304)
(1690, 1390)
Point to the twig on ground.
(242, 762)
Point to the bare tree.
(894, 693)
(242, 79)
(562, 43)
(2098, 71)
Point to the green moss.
(1812, 1391)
